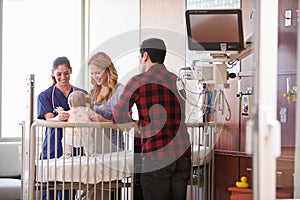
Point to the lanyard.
(54, 87)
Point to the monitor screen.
(215, 30)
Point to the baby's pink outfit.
(82, 136)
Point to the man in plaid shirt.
(165, 143)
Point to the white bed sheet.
(201, 155)
(110, 167)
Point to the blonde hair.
(77, 99)
(103, 61)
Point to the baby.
(79, 112)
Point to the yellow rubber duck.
(243, 183)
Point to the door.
(276, 156)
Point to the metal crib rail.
(38, 128)
(201, 179)
(201, 133)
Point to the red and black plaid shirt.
(161, 112)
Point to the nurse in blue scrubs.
(51, 98)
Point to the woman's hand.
(102, 119)
(136, 126)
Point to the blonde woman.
(105, 92)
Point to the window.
(35, 33)
(203, 4)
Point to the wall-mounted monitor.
(215, 30)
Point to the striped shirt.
(161, 113)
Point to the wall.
(166, 20)
(114, 29)
(231, 161)
(287, 68)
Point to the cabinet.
(246, 193)
(228, 169)
(240, 193)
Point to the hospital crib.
(110, 172)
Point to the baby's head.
(77, 99)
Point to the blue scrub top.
(45, 105)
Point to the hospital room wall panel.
(233, 134)
(230, 148)
(166, 20)
(287, 37)
(286, 111)
(248, 27)
(227, 140)
(247, 82)
(287, 69)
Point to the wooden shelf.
(246, 193)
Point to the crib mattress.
(103, 167)
(82, 169)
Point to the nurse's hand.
(63, 116)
